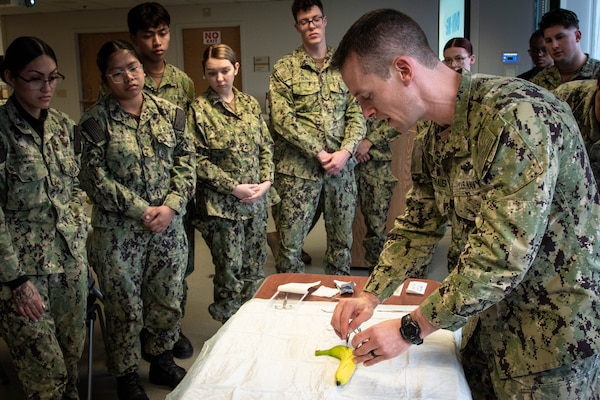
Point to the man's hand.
(158, 219)
(379, 342)
(335, 162)
(362, 151)
(349, 314)
(258, 192)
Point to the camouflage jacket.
(129, 165)
(513, 175)
(175, 87)
(550, 79)
(311, 110)
(40, 194)
(581, 97)
(381, 135)
(232, 147)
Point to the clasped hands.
(334, 162)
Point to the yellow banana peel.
(347, 365)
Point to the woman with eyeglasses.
(138, 169)
(43, 227)
(458, 54)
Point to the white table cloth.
(265, 353)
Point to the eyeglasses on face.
(316, 21)
(37, 83)
(458, 60)
(538, 50)
(119, 76)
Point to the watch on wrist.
(410, 330)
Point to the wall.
(266, 27)
(498, 27)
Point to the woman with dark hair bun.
(43, 227)
(138, 168)
(458, 54)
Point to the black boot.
(129, 387)
(183, 348)
(164, 371)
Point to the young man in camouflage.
(562, 35)
(316, 125)
(584, 99)
(148, 25)
(375, 183)
(504, 161)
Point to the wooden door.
(193, 49)
(401, 159)
(89, 44)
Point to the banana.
(347, 365)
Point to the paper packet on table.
(345, 287)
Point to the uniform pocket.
(26, 183)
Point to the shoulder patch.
(179, 122)
(93, 128)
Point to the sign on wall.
(452, 22)
(211, 37)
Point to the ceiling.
(12, 7)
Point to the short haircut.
(559, 16)
(304, 5)
(22, 51)
(147, 15)
(219, 52)
(460, 42)
(378, 37)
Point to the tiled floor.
(197, 324)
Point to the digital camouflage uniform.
(550, 79)
(312, 110)
(581, 97)
(177, 87)
(375, 183)
(127, 166)
(513, 178)
(43, 230)
(233, 147)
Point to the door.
(89, 44)
(193, 50)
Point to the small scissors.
(284, 305)
(357, 330)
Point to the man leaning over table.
(505, 158)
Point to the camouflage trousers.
(375, 183)
(576, 381)
(46, 353)
(239, 252)
(293, 217)
(140, 274)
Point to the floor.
(197, 324)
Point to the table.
(269, 287)
(267, 353)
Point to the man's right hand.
(349, 314)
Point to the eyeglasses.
(119, 76)
(38, 83)
(538, 50)
(316, 21)
(457, 60)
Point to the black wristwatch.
(410, 330)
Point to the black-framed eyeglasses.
(457, 60)
(37, 83)
(119, 76)
(316, 21)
